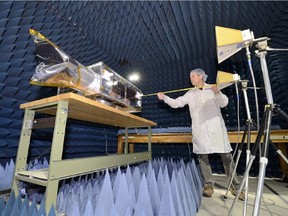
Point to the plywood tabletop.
(85, 109)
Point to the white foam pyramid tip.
(9, 204)
(89, 210)
(51, 211)
(6, 175)
(182, 192)
(166, 174)
(61, 201)
(179, 184)
(129, 176)
(23, 209)
(123, 197)
(16, 206)
(175, 195)
(160, 182)
(82, 199)
(106, 199)
(75, 209)
(88, 192)
(136, 179)
(132, 195)
(190, 198)
(153, 191)
(128, 212)
(71, 199)
(196, 176)
(143, 202)
(166, 205)
(113, 211)
(116, 183)
(45, 163)
(192, 184)
(3, 182)
(95, 194)
(33, 208)
(149, 170)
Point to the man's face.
(196, 79)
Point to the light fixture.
(133, 77)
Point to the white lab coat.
(208, 128)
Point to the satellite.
(97, 81)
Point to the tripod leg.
(278, 151)
(247, 126)
(263, 161)
(281, 112)
(247, 176)
(252, 157)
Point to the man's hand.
(161, 96)
(215, 89)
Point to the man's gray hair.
(201, 72)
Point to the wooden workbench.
(278, 137)
(62, 107)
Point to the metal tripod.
(246, 133)
(264, 131)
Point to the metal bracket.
(39, 123)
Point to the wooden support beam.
(279, 137)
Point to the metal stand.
(247, 133)
(264, 130)
(76, 107)
(248, 129)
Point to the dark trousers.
(206, 171)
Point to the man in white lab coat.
(208, 128)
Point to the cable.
(238, 118)
(254, 84)
(40, 156)
(189, 150)
(107, 145)
(266, 206)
